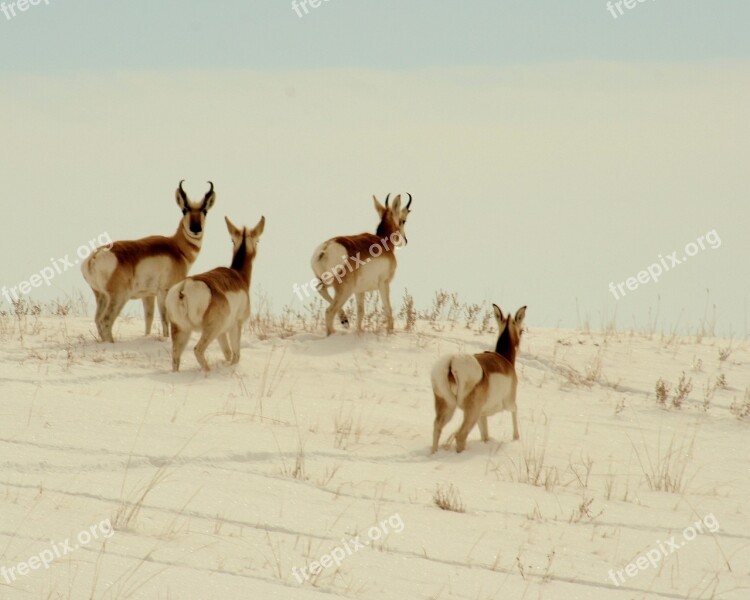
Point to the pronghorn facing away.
(146, 268)
(217, 302)
(356, 264)
(480, 385)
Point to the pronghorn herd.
(217, 303)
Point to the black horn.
(182, 192)
(408, 204)
(211, 191)
(386, 200)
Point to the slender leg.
(483, 429)
(471, 415)
(385, 296)
(342, 295)
(224, 343)
(360, 310)
(161, 299)
(149, 303)
(206, 338)
(113, 310)
(443, 414)
(179, 341)
(515, 424)
(323, 291)
(101, 303)
(234, 339)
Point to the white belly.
(152, 275)
(239, 308)
(499, 395)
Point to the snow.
(218, 486)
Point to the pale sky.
(550, 148)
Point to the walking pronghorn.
(374, 266)
(217, 302)
(146, 268)
(480, 384)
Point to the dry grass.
(741, 409)
(447, 497)
(666, 469)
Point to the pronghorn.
(217, 302)
(480, 385)
(146, 268)
(374, 264)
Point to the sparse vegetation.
(681, 393)
(741, 409)
(662, 389)
(448, 498)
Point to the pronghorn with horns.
(146, 268)
(480, 384)
(356, 264)
(217, 302)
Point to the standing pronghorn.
(373, 268)
(217, 302)
(146, 268)
(480, 385)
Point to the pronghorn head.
(510, 329)
(393, 218)
(244, 241)
(194, 215)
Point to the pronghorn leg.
(161, 299)
(101, 303)
(385, 296)
(323, 291)
(443, 414)
(515, 424)
(113, 310)
(224, 343)
(471, 416)
(207, 337)
(234, 339)
(179, 341)
(335, 308)
(149, 302)
(483, 429)
(360, 310)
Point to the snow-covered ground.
(219, 486)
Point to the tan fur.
(145, 269)
(376, 251)
(216, 303)
(480, 384)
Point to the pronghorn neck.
(242, 261)
(188, 246)
(506, 346)
(387, 227)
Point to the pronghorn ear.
(498, 313)
(501, 320)
(520, 316)
(233, 231)
(209, 198)
(258, 229)
(396, 206)
(181, 197)
(379, 208)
